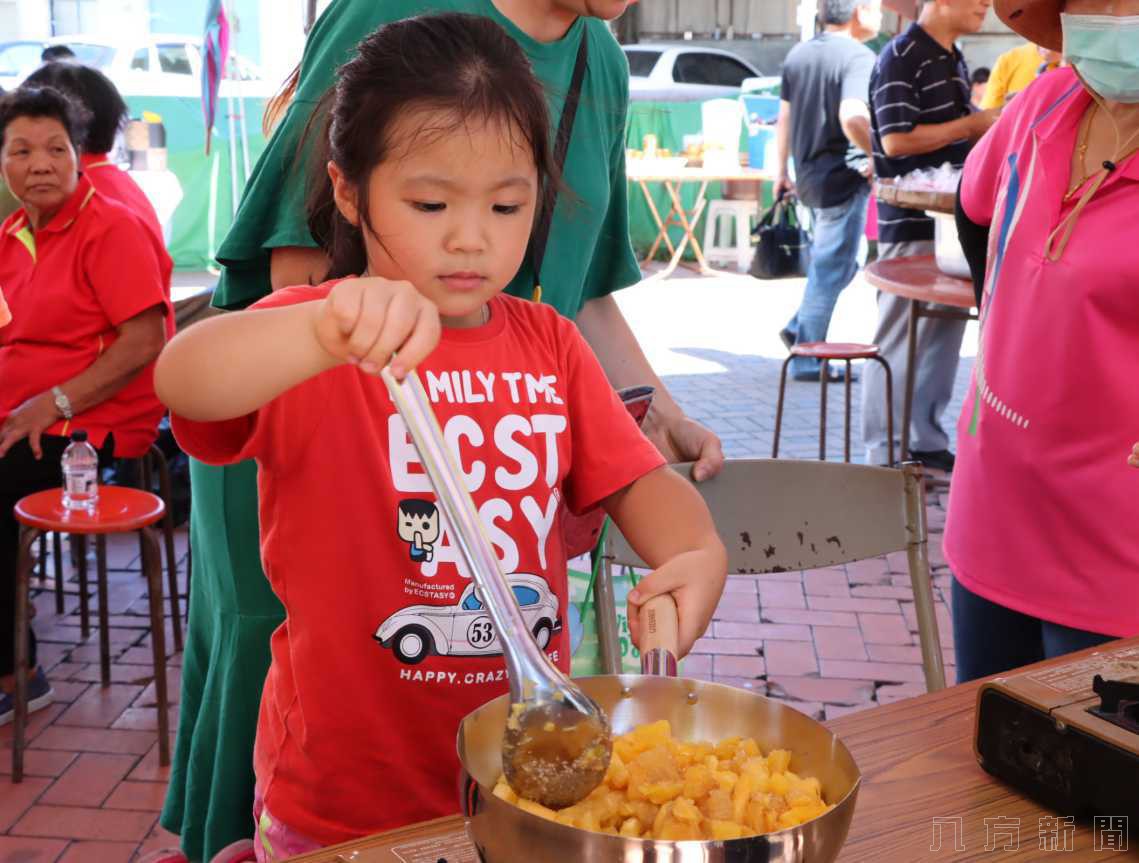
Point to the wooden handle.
(660, 626)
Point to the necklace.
(1082, 143)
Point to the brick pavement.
(827, 641)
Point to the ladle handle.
(660, 636)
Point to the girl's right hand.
(1133, 459)
(364, 321)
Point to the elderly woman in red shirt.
(85, 283)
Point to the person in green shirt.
(588, 257)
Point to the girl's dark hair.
(28, 101)
(462, 65)
(94, 91)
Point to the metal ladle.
(557, 743)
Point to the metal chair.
(782, 515)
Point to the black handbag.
(783, 247)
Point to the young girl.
(438, 161)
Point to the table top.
(918, 765)
(647, 174)
(918, 278)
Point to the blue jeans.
(838, 233)
(991, 639)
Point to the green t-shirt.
(588, 254)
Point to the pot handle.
(660, 634)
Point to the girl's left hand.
(696, 581)
(1133, 459)
(30, 420)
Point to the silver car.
(676, 73)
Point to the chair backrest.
(777, 515)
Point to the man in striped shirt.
(921, 117)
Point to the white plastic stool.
(732, 246)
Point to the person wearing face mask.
(1040, 534)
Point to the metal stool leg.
(84, 605)
(824, 373)
(846, 441)
(165, 491)
(779, 408)
(43, 558)
(57, 566)
(889, 407)
(152, 568)
(104, 613)
(20, 708)
(605, 610)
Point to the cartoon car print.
(466, 628)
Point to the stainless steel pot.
(503, 833)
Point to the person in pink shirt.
(1041, 532)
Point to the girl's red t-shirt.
(386, 644)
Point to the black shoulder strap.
(561, 147)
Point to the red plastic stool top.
(120, 510)
(835, 350)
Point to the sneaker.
(40, 695)
(941, 459)
(787, 337)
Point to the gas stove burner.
(1119, 702)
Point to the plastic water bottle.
(80, 473)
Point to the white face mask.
(1105, 51)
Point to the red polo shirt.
(114, 183)
(69, 285)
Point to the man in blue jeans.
(824, 124)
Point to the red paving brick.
(758, 632)
(89, 780)
(884, 629)
(75, 822)
(839, 642)
(781, 595)
(830, 690)
(103, 852)
(790, 657)
(37, 762)
(95, 740)
(145, 796)
(24, 849)
(738, 666)
(809, 617)
(826, 582)
(99, 706)
(16, 800)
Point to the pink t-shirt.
(1044, 511)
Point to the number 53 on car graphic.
(466, 629)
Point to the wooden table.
(673, 180)
(920, 281)
(917, 763)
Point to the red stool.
(149, 465)
(120, 510)
(839, 352)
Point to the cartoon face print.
(418, 525)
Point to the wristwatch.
(62, 402)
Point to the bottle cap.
(79, 435)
